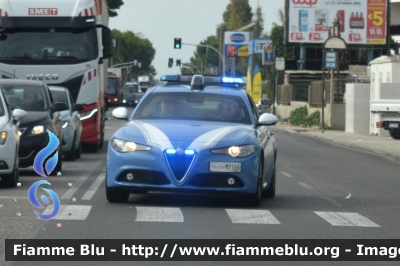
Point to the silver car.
(9, 143)
(264, 106)
(71, 144)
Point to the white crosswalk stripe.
(346, 219)
(70, 212)
(159, 214)
(93, 188)
(241, 216)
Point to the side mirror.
(19, 114)
(107, 43)
(120, 113)
(78, 107)
(60, 107)
(267, 119)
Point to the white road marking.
(304, 185)
(242, 216)
(71, 191)
(332, 201)
(93, 188)
(70, 212)
(159, 214)
(346, 219)
(7, 197)
(286, 174)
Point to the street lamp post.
(222, 58)
(198, 71)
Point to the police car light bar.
(232, 80)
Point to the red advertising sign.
(376, 21)
(296, 36)
(314, 36)
(354, 37)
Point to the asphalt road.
(325, 190)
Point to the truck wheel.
(395, 134)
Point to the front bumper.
(7, 157)
(152, 172)
(30, 146)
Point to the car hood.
(34, 117)
(188, 133)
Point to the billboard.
(361, 21)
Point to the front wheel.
(395, 134)
(255, 199)
(11, 179)
(115, 195)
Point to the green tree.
(259, 20)
(238, 14)
(112, 6)
(130, 47)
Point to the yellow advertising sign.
(248, 83)
(257, 87)
(243, 50)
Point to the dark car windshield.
(46, 45)
(28, 98)
(190, 106)
(59, 96)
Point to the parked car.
(42, 115)
(131, 94)
(201, 138)
(71, 123)
(264, 106)
(9, 143)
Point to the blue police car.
(194, 134)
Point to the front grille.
(179, 164)
(144, 177)
(215, 180)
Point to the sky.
(160, 21)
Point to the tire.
(395, 134)
(11, 179)
(91, 148)
(70, 156)
(102, 125)
(255, 199)
(78, 151)
(270, 192)
(115, 195)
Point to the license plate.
(393, 125)
(225, 167)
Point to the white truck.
(144, 83)
(64, 43)
(389, 111)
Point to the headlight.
(38, 130)
(65, 124)
(127, 146)
(3, 137)
(124, 101)
(237, 151)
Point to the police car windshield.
(190, 106)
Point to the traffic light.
(178, 62)
(177, 43)
(170, 62)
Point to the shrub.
(300, 117)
